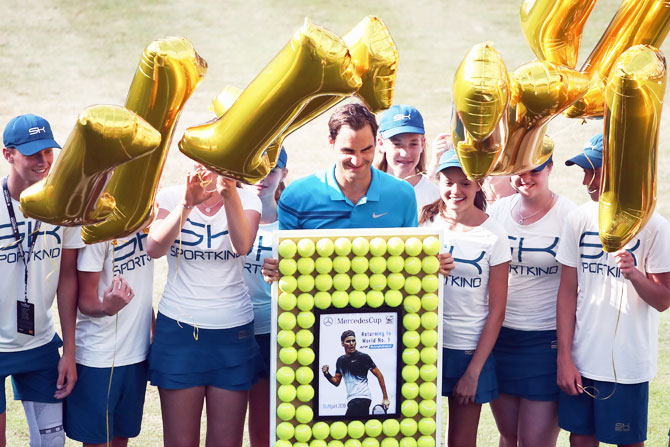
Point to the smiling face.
(592, 182)
(355, 150)
(403, 152)
(532, 184)
(29, 169)
(349, 344)
(457, 191)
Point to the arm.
(466, 387)
(242, 224)
(380, 377)
(441, 144)
(115, 298)
(335, 380)
(653, 288)
(67, 311)
(568, 378)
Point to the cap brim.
(584, 162)
(403, 129)
(33, 147)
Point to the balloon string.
(56, 265)
(196, 329)
(111, 372)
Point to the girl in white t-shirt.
(204, 350)
(474, 296)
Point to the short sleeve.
(286, 215)
(250, 201)
(338, 367)
(370, 364)
(92, 257)
(168, 198)
(412, 219)
(658, 260)
(568, 246)
(500, 251)
(72, 238)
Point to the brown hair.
(280, 188)
(355, 115)
(429, 211)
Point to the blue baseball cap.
(544, 165)
(401, 119)
(282, 159)
(29, 134)
(449, 159)
(592, 157)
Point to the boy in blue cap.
(607, 320)
(37, 260)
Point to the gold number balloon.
(314, 62)
(633, 105)
(73, 193)
(553, 28)
(481, 94)
(540, 91)
(169, 71)
(636, 22)
(225, 99)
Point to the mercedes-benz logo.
(328, 321)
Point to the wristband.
(327, 375)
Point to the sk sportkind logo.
(400, 117)
(36, 130)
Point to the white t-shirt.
(466, 289)
(43, 271)
(534, 273)
(603, 289)
(205, 285)
(426, 192)
(99, 341)
(259, 290)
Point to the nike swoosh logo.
(374, 216)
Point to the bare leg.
(538, 423)
(225, 417)
(583, 441)
(506, 413)
(116, 442)
(181, 411)
(259, 414)
(463, 424)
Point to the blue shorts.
(34, 373)
(224, 358)
(619, 419)
(85, 411)
(263, 341)
(526, 364)
(454, 364)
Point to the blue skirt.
(454, 364)
(224, 358)
(526, 364)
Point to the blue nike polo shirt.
(316, 201)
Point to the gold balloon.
(225, 99)
(169, 71)
(553, 28)
(540, 91)
(633, 105)
(636, 22)
(73, 193)
(477, 157)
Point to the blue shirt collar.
(372, 194)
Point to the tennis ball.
(430, 283)
(391, 427)
(287, 266)
(356, 429)
(411, 322)
(395, 246)
(393, 298)
(370, 442)
(373, 427)
(323, 282)
(305, 320)
(305, 283)
(283, 443)
(285, 411)
(287, 284)
(360, 246)
(352, 443)
(408, 442)
(304, 338)
(286, 248)
(304, 414)
(412, 304)
(427, 390)
(427, 408)
(288, 355)
(341, 281)
(389, 442)
(378, 246)
(409, 390)
(286, 393)
(305, 302)
(305, 356)
(317, 442)
(320, 430)
(412, 285)
(408, 427)
(340, 299)
(377, 264)
(395, 264)
(342, 246)
(303, 432)
(429, 338)
(430, 301)
(409, 408)
(286, 321)
(431, 245)
(427, 426)
(360, 281)
(413, 246)
(323, 265)
(395, 281)
(285, 375)
(285, 338)
(338, 429)
(305, 266)
(410, 373)
(322, 300)
(410, 356)
(305, 393)
(306, 248)
(377, 281)
(285, 431)
(357, 299)
(429, 320)
(341, 264)
(429, 355)
(335, 443)
(359, 264)
(374, 298)
(325, 247)
(286, 301)
(430, 264)
(304, 375)
(411, 339)
(428, 372)
(425, 441)
(412, 265)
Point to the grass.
(60, 56)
